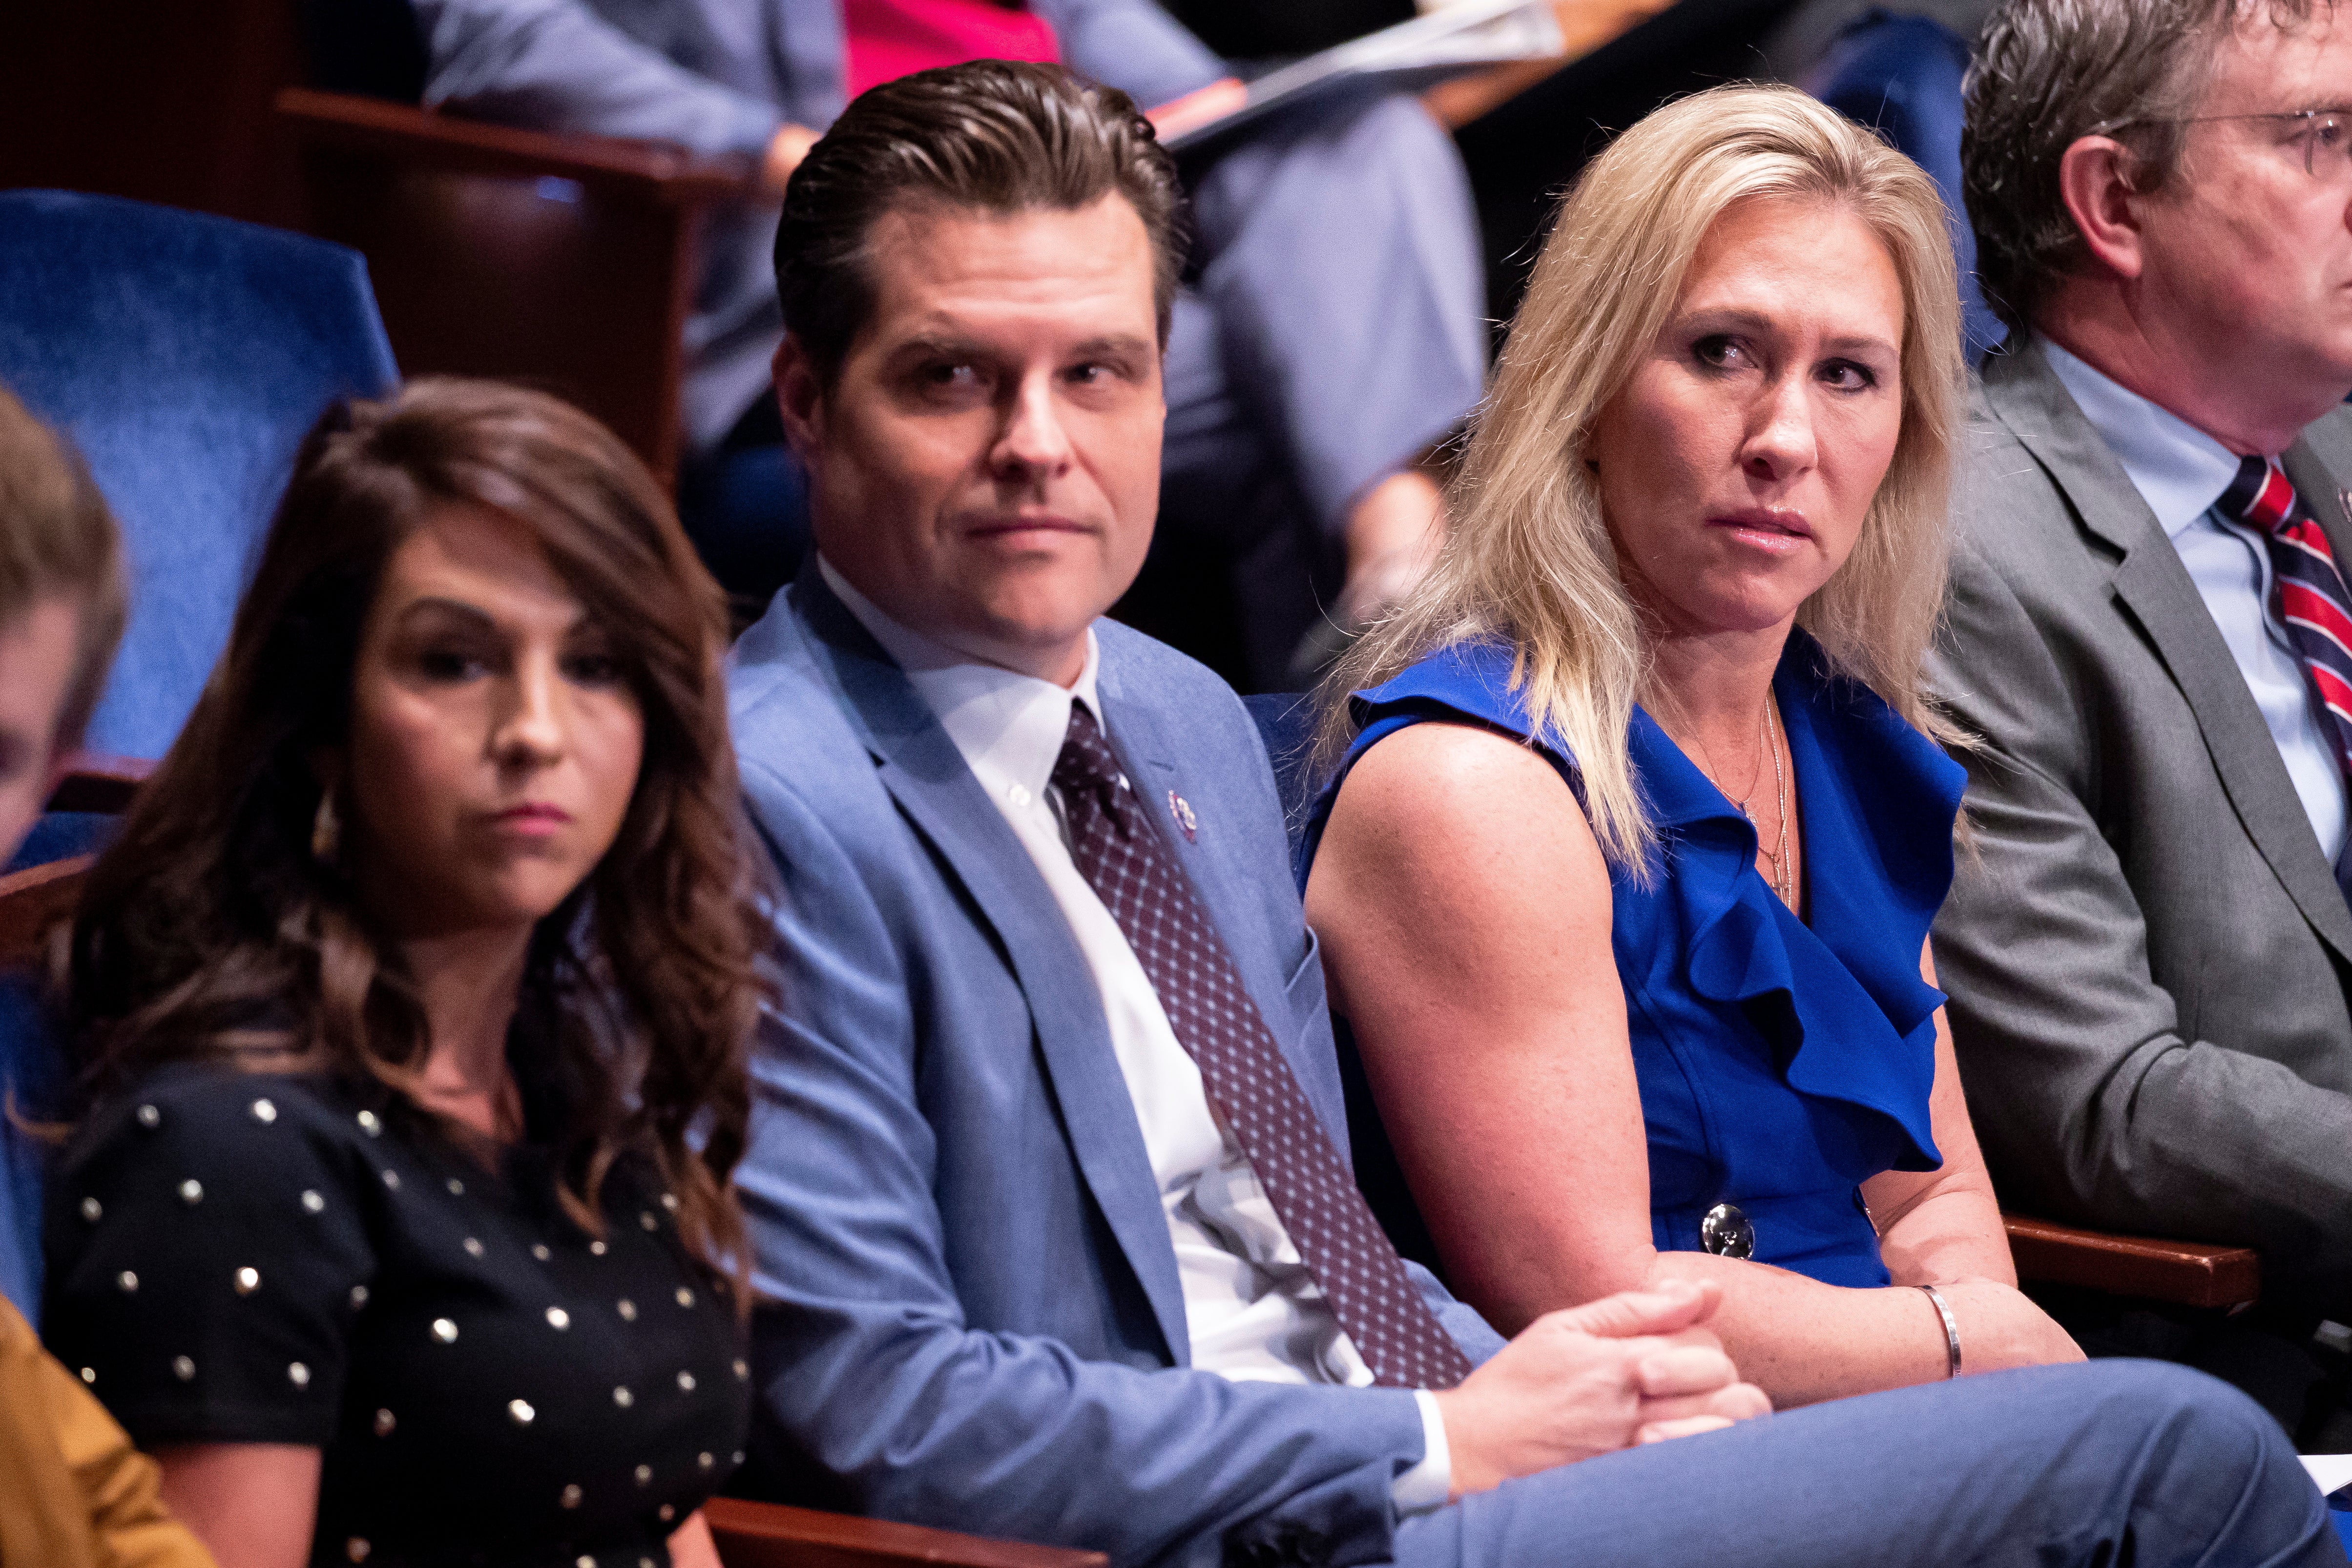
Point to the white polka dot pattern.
(1134, 871)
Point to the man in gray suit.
(1047, 1178)
(2148, 970)
(1332, 328)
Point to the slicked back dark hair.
(2049, 73)
(994, 136)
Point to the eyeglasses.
(2324, 134)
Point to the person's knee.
(2158, 1392)
(2194, 1425)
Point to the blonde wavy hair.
(1529, 559)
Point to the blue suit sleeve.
(556, 64)
(869, 1369)
(1131, 45)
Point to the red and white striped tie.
(2311, 595)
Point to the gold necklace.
(1714, 773)
(1777, 857)
(1783, 882)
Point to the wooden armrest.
(31, 901)
(103, 783)
(426, 139)
(2185, 1273)
(769, 1535)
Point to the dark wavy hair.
(210, 930)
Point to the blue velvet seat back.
(1901, 77)
(186, 356)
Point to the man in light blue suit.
(1334, 327)
(1047, 1180)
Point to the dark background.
(169, 100)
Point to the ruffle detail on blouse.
(1842, 1002)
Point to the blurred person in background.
(74, 1493)
(1330, 334)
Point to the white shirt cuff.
(1430, 1483)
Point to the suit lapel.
(927, 777)
(2316, 483)
(2156, 587)
(1227, 876)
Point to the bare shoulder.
(1460, 804)
(1440, 770)
(1455, 851)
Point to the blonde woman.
(1624, 877)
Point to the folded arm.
(1464, 908)
(1939, 1226)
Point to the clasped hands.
(1635, 1367)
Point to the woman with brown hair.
(411, 1004)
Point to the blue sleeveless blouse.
(1781, 1064)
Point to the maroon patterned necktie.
(1134, 871)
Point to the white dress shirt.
(2181, 472)
(1252, 1308)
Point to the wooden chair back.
(566, 262)
(2184, 1273)
(34, 899)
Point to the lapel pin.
(2344, 499)
(1182, 811)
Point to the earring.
(326, 830)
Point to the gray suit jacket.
(2148, 970)
(972, 1314)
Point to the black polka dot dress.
(265, 1259)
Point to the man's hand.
(789, 145)
(1630, 1368)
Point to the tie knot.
(2260, 497)
(1085, 764)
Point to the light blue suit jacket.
(975, 1320)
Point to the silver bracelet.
(1951, 1331)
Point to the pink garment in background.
(889, 38)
